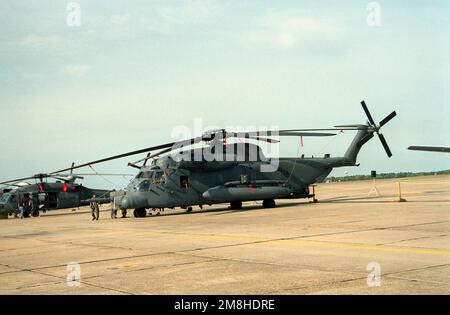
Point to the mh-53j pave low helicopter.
(232, 173)
(43, 196)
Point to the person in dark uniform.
(27, 205)
(91, 204)
(96, 210)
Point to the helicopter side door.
(48, 200)
(68, 200)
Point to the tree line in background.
(384, 175)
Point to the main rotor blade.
(385, 145)
(387, 118)
(306, 134)
(18, 180)
(62, 178)
(364, 106)
(284, 132)
(97, 174)
(268, 140)
(9, 185)
(115, 157)
(429, 148)
(320, 129)
(351, 127)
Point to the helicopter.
(43, 196)
(232, 173)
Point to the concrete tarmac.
(336, 246)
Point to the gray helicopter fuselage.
(174, 182)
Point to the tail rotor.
(376, 128)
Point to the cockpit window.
(8, 198)
(143, 186)
(146, 174)
(154, 176)
(157, 177)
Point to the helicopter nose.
(132, 202)
(124, 203)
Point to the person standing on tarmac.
(27, 205)
(35, 204)
(21, 215)
(113, 212)
(91, 204)
(97, 210)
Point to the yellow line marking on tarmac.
(293, 242)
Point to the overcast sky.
(134, 70)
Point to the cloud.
(77, 70)
(287, 29)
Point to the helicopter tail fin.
(360, 139)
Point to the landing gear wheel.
(269, 203)
(140, 213)
(189, 209)
(35, 213)
(236, 204)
